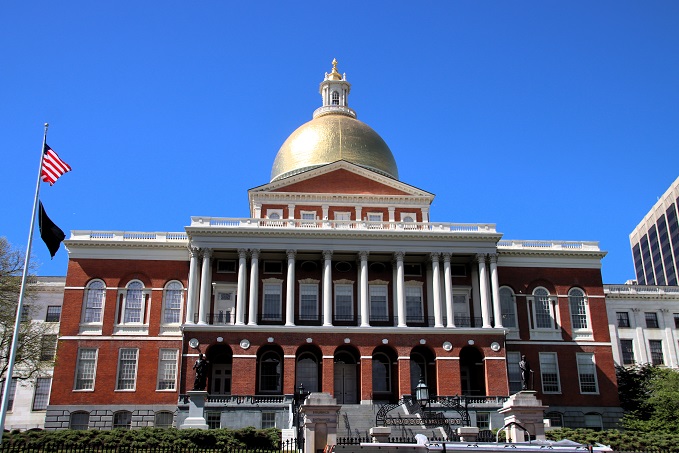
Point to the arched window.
(122, 419)
(173, 297)
(79, 420)
(163, 419)
(133, 302)
(555, 419)
(335, 98)
(381, 373)
(270, 372)
(578, 305)
(307, 372)
(508, 307)
(542, 309)
(94, 301)
(594, 421)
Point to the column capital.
(194, 251)
(291, 254)
(399, 255)
(254, 254)
(207, 253)
(492, 257)
(363, 255)
(327, 254)
(481, 258)
(434, 256)
(242, 254)
(446, 257)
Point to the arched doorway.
(270, 370)
(220, 358)
(472, 371)
(384, 374)
(422, 363)
(346, 370)
(308, 370)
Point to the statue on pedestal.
(200, 367)
(526, 372)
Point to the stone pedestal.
(380, 433)
(468, 433)
(196, 418)
(526, 410)
(320, 422)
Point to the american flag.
(52, 166)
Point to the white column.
(400, 292)
(257, 208)
(290, 290)
(392, 214)
(448, 281)
(436, 274)
(254, 286)
(483, 289)
(425, 215)
(358, 213)
(327, 288)
(639, 322)
(205, 287)
(495, 290)
(241, 295)
(193, 286)
(291, 214)
(364, 302)
(668, 322)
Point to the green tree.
(650, 397)
(28, 363)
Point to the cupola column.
(436, 274)
(205, 287)
(327, 288)
(254, 286)
(400, 293)
(495, 291)
(448, 282)
(241, 295)
(290, 290)
(483, 289)
(363, 301)
(291, 214)
(425, 215)
(193, 286)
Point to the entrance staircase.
(355, 421)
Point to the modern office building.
(643, 323)
(655, 241)
(28, 400)
(339, 280)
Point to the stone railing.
(650, 290)
(436, 227)
(584, 246)
(127, 236)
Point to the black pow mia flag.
(49, 232)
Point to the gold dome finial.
(334, 75)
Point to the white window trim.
(279, 284)
(309, 283)
(118, 370)
(131, 328)
(35, 393)
(516, 317)
(596, 379)
(181, 303)
(94, 371)
(269, 212)
(344, 283)
(581, 333)
(92, 327)
(558, 372)
(409, 284)
(376, 284)
(544, 333)
(466, 292)
(176, 368)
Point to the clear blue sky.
(552, 119)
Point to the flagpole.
(22, 292)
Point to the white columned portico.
(327, 288)
(448, 282)
(483, 289)
(290, 290)
(400, 290)
(364, 303)
(193, 286)
(241, 295)
(436, 274)
(495, 291)
(254, 286)
(205, 287)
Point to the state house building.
(339, 280)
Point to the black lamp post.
(300, 396)
(422, 393)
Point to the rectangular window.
(378, 303)
(414, 312)
(587, 373)
(676, 320)
(627, 352)
(271, 309)
(483, 420)
(94, 303)
(549, 373)
(12, 392)
(412, 269)
(127, 369)
(53, 313)
(578, 306)
(543, 312)
(461, 311)
(85, 369)
(656, 352)
(514, 372)
(344, 302)
(167, 369)
(273, 267)
(213, 419)
(623, 318)
(308, 215)
(651, 320)
(458, 270)
(375, 220)
(268, 420)
(41, 395)
(48, 347)
(226, 266)
(308, 302)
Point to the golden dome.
(330, 138)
